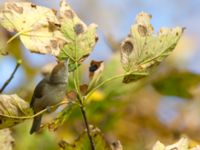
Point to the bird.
(50, 91)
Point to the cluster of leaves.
(65, 36)
(82, 143)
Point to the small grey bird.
(50, 91)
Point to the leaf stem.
(104, 82)
(16, 35)
(111, 79)
(39, 113)
(11, 76)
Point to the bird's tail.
(36, 124)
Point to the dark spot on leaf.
(142, 30)
(78, 28)
(54, 11)
(130, 78)
(48, 48)
(96, 38)
(84, 88)
(16, 8)
(52, 26)
(176, 33)
(94, 65)
(127, 47)
(0, 121)
(23, 21)
(58, 25)
(33, 6)
(72, 95)
(61, 45)
(83, 57)
(93, 68)
(54, 44)
(69, 14)
(16, 122)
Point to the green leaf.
(142, 50)
(81, 38)
(82, 143)
(177, 83)
(12, 106)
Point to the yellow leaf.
(12, 105)
(37, 26)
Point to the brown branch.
(87, 128)
(82, 107)
(11, 77)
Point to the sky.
(114, 17)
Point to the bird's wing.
(38, 92)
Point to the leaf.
(159, 146)
(95, 72)
(82, 143)
(6, 140)
(81, 38)
(61, 118)
(12, 105)
(182, 144)
(37, 26)
(142, 50)
(177, 83)
(3, 39)
(116, 145)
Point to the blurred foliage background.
(164, 106)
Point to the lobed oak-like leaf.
(81, 38)
(142, 49)
(12, 107)
(37, 26)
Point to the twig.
(87, 127)
(11, 77)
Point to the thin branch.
(87, 127)
(80, 99)
(11, 76)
